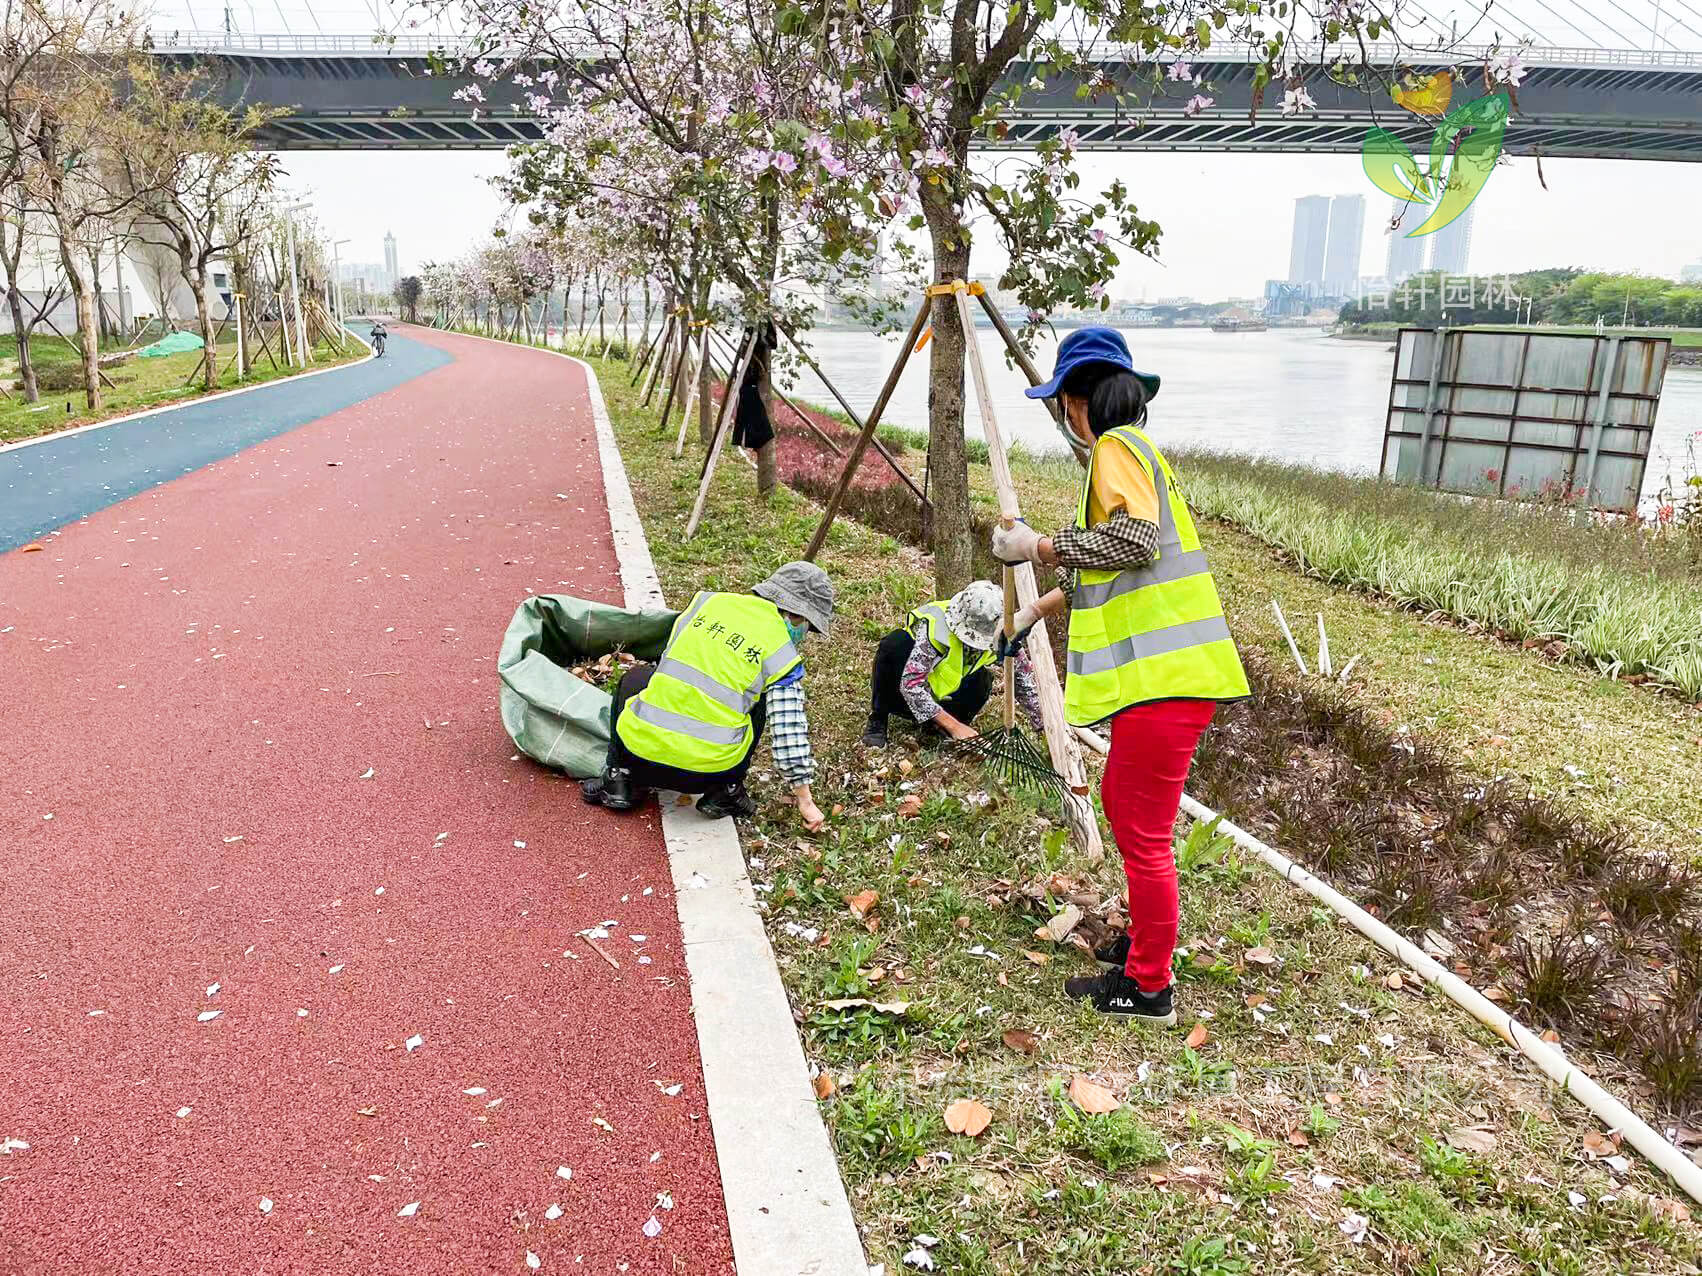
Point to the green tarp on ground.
(551, 715)
(172, 343)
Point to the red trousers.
(1152, 746)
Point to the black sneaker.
(730, 799)
(874, 732)
(1113, 954)
(1113, 993)
(611, 790)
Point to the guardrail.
(1382, 54)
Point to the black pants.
(886, 699)
(648, 774)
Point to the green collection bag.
(551, 715)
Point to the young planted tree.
(408, 290)
(20, 233)
(196, 176)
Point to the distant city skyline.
(1406, 256)
(1342, 255)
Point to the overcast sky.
(1226, 218)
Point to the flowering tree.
(771, 142)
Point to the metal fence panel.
(1525, 414)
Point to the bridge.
(349, 92)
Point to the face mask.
(797, 631)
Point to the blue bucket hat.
(1086, 346)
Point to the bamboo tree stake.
(1323, 648)
(678, 381)
(657, 356)
(1293, 647)
(825, 438)
(1066, 758)
(721, 431)
(688, 382)
(868, 433)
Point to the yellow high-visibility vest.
(956, 662)
(725, 651)
(1156, 632)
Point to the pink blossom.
(1069, 139)
(1098, 236)
(1297, 100)
(718, 110)
(834, 166)
(1034, 316)
(914, 94)
(936, 158)
(1196, 104)
(1508, 69)
(1180, 70)
(784, 162)
(1096, 291)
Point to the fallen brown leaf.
(1299, 1138)
(838, 809)
(1039, 959)
(1255, 1000)
(910, 806)
(1091, 1097)
(1472, 1138)
(1003, 980)
(1260, 956)
(1021, 1040)
(1597, 1145)
(824, 1086)
(32, 548)
(1393, 982)
(862, 903)
(1197, 1037)
(371, 1111)
(968, 1116)
(1496, 993)
(906, 766)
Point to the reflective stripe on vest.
(948, 675)
(725, 651)
(1155, 632)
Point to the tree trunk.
(26, 365)
(85, 329)
(101, 320)
(948, 466)
(209, 339)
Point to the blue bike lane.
(47, 484)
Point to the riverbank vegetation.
(1318, 1111)
(1565, 298)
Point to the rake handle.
(1010, 628)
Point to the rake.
(1007, 753)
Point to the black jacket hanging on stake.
(751, 426)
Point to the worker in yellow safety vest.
(732, 666)
(937, 669)
(1149, 647)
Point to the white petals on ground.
(474, 1090)
(337, 969)
(653, 1228)
(301, 1012)
(562, 1172)
(207, 1016)
(919, 1258)
(1354, 1227)
(1323, 1182)
(553, 1213)
(183, 1112)
(414, 1042)
(408, 1210)
(520, 846)
(13, 1145)
(368, 774)
(1618, 1164)
(379, 891)
(532, 1260)
(1575, 1199)
(265, 1205)
(212, 990)
(697, 882)
(669, 1088)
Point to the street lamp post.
(337, 270)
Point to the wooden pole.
(722, 425)
(729, 395)
(678, 382)
(868, 432)
(1017, 352)
(851, 412)
(653, 356)
(662, 357)
(1066, 758)
(811, 426)
(688, 404)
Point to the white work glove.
(1018, 543)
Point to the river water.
(1288, 393)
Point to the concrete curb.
(786, 1206)
(200, 398)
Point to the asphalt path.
(47, 483)
(301, 968)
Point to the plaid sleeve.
(789, 733)
(1118, 544)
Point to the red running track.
(196, 682)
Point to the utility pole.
(337, 270)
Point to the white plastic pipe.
(1549, 1058)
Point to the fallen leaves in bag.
(1197, 1037)
(968, 1117)
(1091, 1097)
(1021, 1040)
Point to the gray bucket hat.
(976, 613)
(802, 589)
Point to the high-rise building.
(1406, 256)
(1311, 232)
(390, 259)
(1451, 247)
(1341, 258)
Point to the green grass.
(1245, 1154)
(138, 383)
